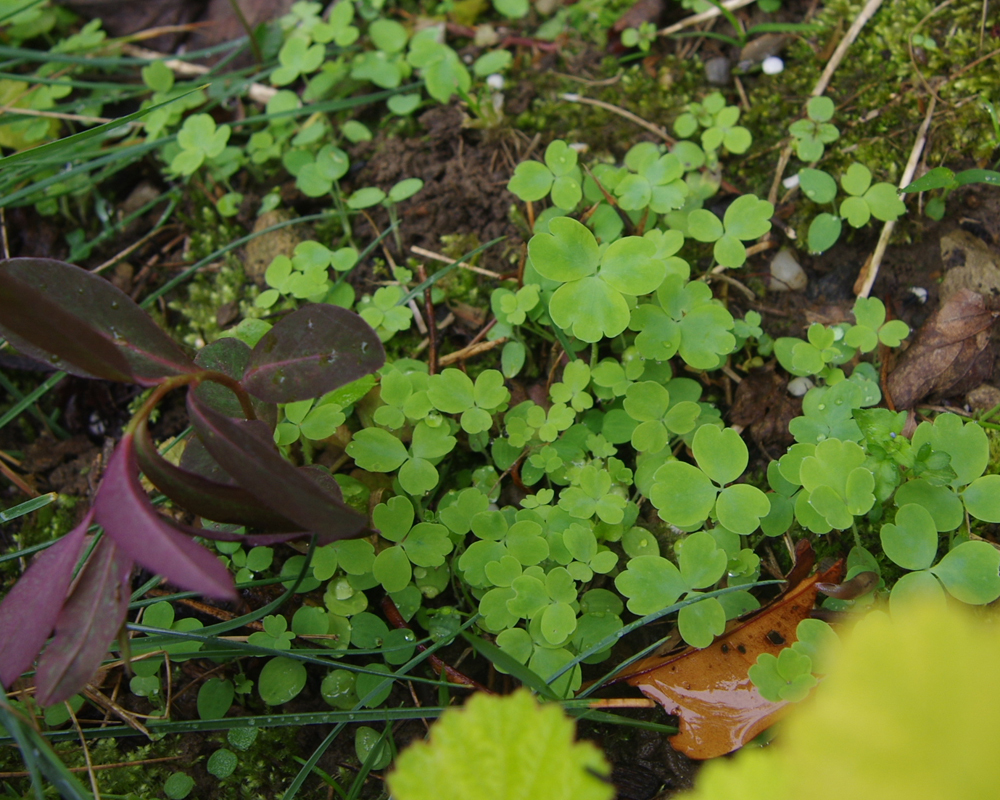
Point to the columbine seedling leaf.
(911, 541)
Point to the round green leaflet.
(178, 786)
(721, 453)
(682, 493)
(568, 252)
(817, 185)
(702, 562)
(911, 541)
(971, 572)
(916, 587)
(701, 622)
(281, 680)
(590, 308)
(650, 583)
(222, 763)
(982, 498)
(741, 507)
(531, 181)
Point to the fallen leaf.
(952, 353)
(710, 691)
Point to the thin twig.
(869, 272)
(97, 767)
(258, 92)
(470, 351)
(86, 751)
(420, 251)
(130, 249)
(432, 333)
(34, 112)
(704, 16)
(572, 97)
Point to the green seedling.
(559, 175)
(816, 131)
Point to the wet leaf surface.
(42, 303)
(312, 351)
(90, 619)
(710, 690)
(254, 461)
(129, 518)
(30, 610)
(952, 353)
(219, 502)
(231, 357)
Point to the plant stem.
(176, 382)
(258, 56)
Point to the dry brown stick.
(258, 92)
(704, 16)
(420, 251)
(865, 281)
(824, 80)
(622, 702)
(432, 333)
(97, 767)
(86, 751)
(470, 351)
(130, 249)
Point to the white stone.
(920, 293)
(772, 65)
(797, 387)
(495, 81)
(786, 274)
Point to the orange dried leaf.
(710, 690)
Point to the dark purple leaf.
(128, 517)
(89, 622)
(312, 351)
(80, 323)
(29, 612)
(259, 468)
(219, 502)
(230, 357)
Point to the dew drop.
(114, 305)
(364, 347)
(838, 402)
(54, 358)
(350, 717)
(79, 290)
(821, 406)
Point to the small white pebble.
(920, 293)
(797, 387)
(495, 81)
(791, 182)
(786, 273)
(772, 65)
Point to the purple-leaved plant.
(232, 472)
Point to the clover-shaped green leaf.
(701, 622)
(568, 252)
(971, 572)
(966, 443)
(838, 486)
(818, 186)
(199, 139)
(297, 57)
(872, 327)
(650, 583)
(787, 676)
(912, 540)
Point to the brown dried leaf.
(710, 690)
(952, 353)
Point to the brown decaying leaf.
(952, 353)
(710, 690)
